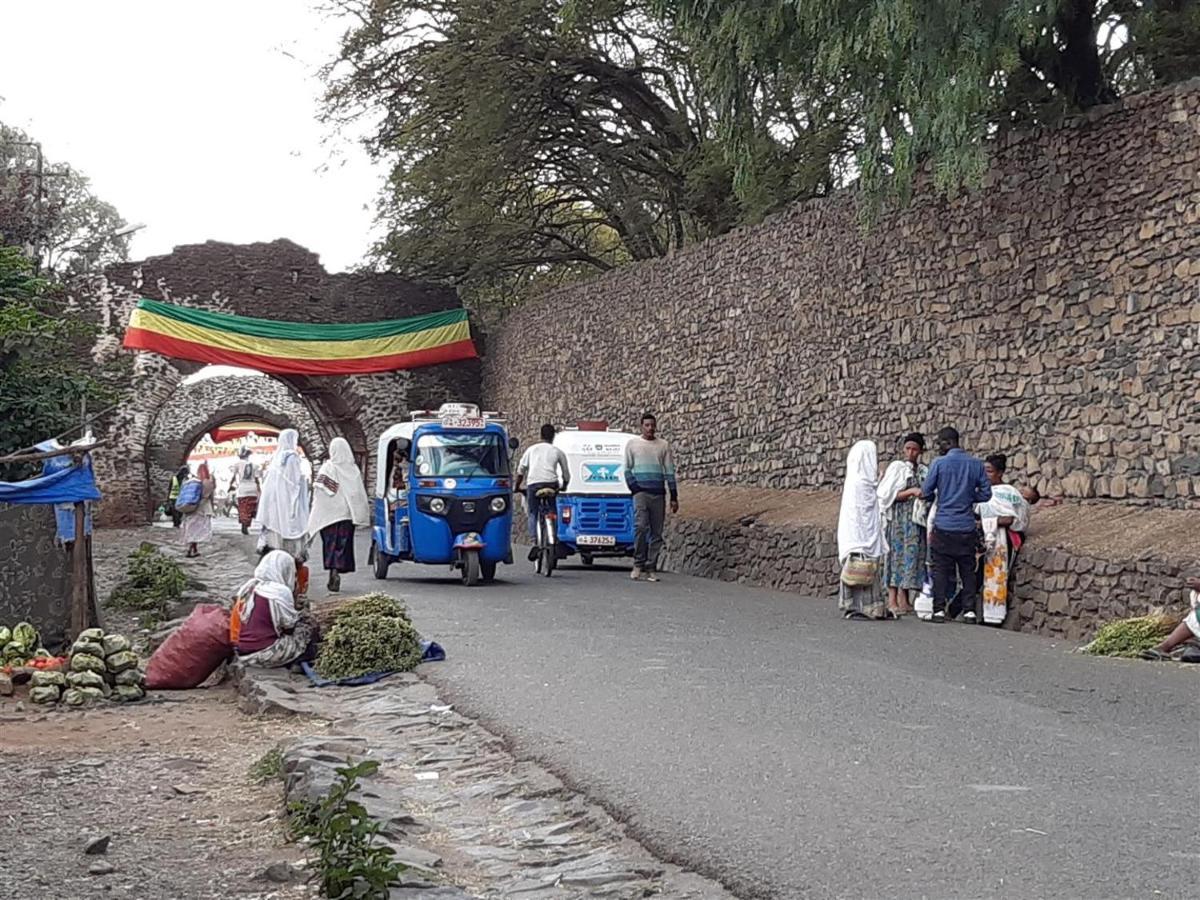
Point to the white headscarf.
(338, 493)
(858, 523)
(273, 580)
(283, 506)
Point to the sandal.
(856, 615)
(1155, 655)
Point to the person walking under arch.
(339, 506)
(246, 488)
(283, 506)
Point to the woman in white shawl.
(339, 505)
(283, 503)
(860, 538)
(272, 631)
(903, 514)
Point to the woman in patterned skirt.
(904, 525)
(339, 505)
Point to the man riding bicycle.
(540, 467)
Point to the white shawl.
(1007, 502)
(859, 530)
(273, 580)
(283, 504)
(893, 482)
(338, 491)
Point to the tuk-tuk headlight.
(437, 505)
(499, 505)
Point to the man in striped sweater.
(650, 474)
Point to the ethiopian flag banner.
(296, 348)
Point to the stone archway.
(278, 280)
(196, 409)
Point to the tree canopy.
(932, 79)
(69, 229)
(535, 139)
(45, 372)
(530, 141)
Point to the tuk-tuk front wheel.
(470, 568)
(586, 558)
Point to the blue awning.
(70, 485)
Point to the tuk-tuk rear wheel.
(488, 570)
(380, 564)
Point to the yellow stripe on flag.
(291, 349)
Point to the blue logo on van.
(605, 473)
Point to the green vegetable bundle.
(1129, 637)
(152, 582)
(361, 645)
(372, 604)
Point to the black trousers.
(953, 556)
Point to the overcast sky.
(198, 120)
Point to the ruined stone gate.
(159, 418)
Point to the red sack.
(193, 652)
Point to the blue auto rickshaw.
(443, 493)
(595, 512)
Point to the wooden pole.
(51, 454)
(80, 615)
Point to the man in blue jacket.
(956, 481)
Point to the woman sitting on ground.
(1187, 630)
(273, 632)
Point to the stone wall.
(195, 409)
(1084, 564)
(277, 280)
(1052, 315)
(35, 574)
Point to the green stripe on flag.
(302, 331)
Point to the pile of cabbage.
(18, 643)
(368, 635)
(100, 667)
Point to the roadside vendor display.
(369, 635)
(98, 666)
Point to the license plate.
(463, 422)
(596, 540)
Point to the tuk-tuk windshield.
(455, 455)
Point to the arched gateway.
(280, 281)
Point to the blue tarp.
(69, 485)
(431, 651)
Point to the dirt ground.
(168, 781)
(1104, 530)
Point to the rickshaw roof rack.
(453, 411)
(588, 425)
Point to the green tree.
(45, 373)
(531, 141)
(930, 81)
(67, 227)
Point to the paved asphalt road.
(758, 738)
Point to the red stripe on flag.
(140, 339)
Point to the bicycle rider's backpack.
(188, 500)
